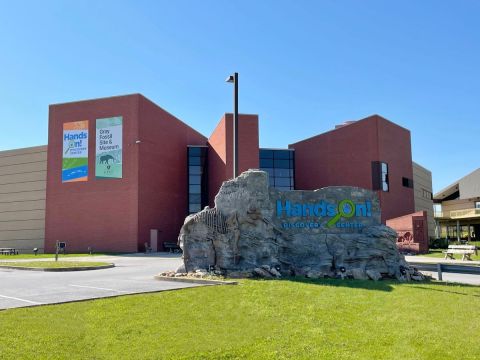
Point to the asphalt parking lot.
(132, 274)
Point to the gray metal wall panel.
(22, 205)
(23, 174)
(469, 186)
(422, 179)
(23, 196)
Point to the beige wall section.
(452, 205)
(23, 175)
(422, 188)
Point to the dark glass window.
(194, 160)
(407, 182)
(195, 198)
(385, 185)
(266, 154)
(270, 171)
(427, 194)
(266, 163)
(279, 164)
(197, 178)
(283, 172)
(194, 170)
(477, 204)
(193, 208)
(380, 179)
(282, 181)
(194, 189)
(282, 154)
(195, 151)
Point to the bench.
(8, 251)
(465, 250)
(148, 248)
(171, 247)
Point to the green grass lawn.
(284, 319)
(53, 264)
(43, 256)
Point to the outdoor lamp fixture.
(342, 269)
(234, 79)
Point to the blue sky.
(304, 66)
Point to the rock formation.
(254, 230)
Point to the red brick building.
(118, 214)
(167, 169)
(353, 155)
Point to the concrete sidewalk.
(101, 258)
(433, 260)
(450, 277)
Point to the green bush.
(438, 243)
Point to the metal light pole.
(234, 79)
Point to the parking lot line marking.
(14, 298)
(97, 288)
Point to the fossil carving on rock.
(256, 229)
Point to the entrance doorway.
(154, 240)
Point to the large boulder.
(334, 231)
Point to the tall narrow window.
(477, 204)
(280, 166)
(197, 178)
(385, 186)
(380, 180)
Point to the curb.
(195, 281)
(82, 268)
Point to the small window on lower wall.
(427, 194)
(407, 182)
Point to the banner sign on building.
(108, 157)
(75, 151)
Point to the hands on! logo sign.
(345, 209)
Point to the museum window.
(427, 194)
(197, 178)
(406, 182)
(380, 180)
(280, 166)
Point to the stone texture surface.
(246, 234)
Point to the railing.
(456, 214)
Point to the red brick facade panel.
(412, 230)
(217, 159)
(100, 213)
(395, 149)
(221, 150)
(344, 156)
(163, 183)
